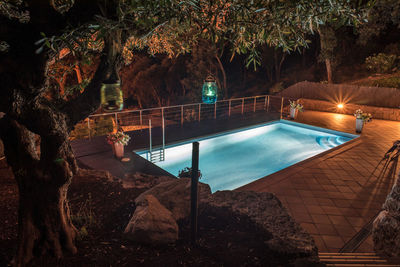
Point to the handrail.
(228, 106)
(176, 106)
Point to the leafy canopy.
(173, 27)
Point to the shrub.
(276, 88)
(381, 63)
(187, 173)
(84, 218)
(104, 125)
(81, 131)
(392, 82)
(101, 126)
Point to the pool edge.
(285, 173)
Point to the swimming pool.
(233, 159)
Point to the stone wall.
(377, 112)
(348, 93)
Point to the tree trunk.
(328, 70)
(328, 43)
(43, 180)
(278, 66)
(221, 67)
(303, 57)
(44, 223)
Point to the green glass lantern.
(210, 90)
(111, 97)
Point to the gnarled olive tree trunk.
(44, 223)
(43, 177)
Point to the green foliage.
(328, 44)
(84, 218)
(276, 88)
(242, 26)
(197, 66)
(4, 46)
(391, 82)
(76, 88)
(14, 9)
(381, 63)
(187, 173)
(80, 131)
(383, 15)
(101, 126)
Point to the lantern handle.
(210, 78)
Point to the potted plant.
(118, 140)
(361, 118)
(295, 107)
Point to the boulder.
(175, 196)
(283, 234)
(386, 226)
(152, 223)
(144, 181)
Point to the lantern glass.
(210, 92)
(111, 97)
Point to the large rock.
(152, 223)
(267, 212)
(175, 196)
(142, 180)
(386, 227)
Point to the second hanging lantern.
(210, 90)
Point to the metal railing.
(130, 120)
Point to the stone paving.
(334, 196)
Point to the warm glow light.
(340, 106)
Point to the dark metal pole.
(193, 193)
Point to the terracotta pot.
(293, 113)
(118, 150)
(359, 125)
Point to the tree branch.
(88, 102)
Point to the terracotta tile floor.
(334, 196)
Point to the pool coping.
(302, 125)
(286, 172)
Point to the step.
(363, 265)
(350, 257)
(356, 259)
(348, 253)
(359, 261)
(157, 155)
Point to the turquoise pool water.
(233, 159)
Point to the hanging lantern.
(210, 90)
(111, 93)
(111, 97)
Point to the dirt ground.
(102, 208)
